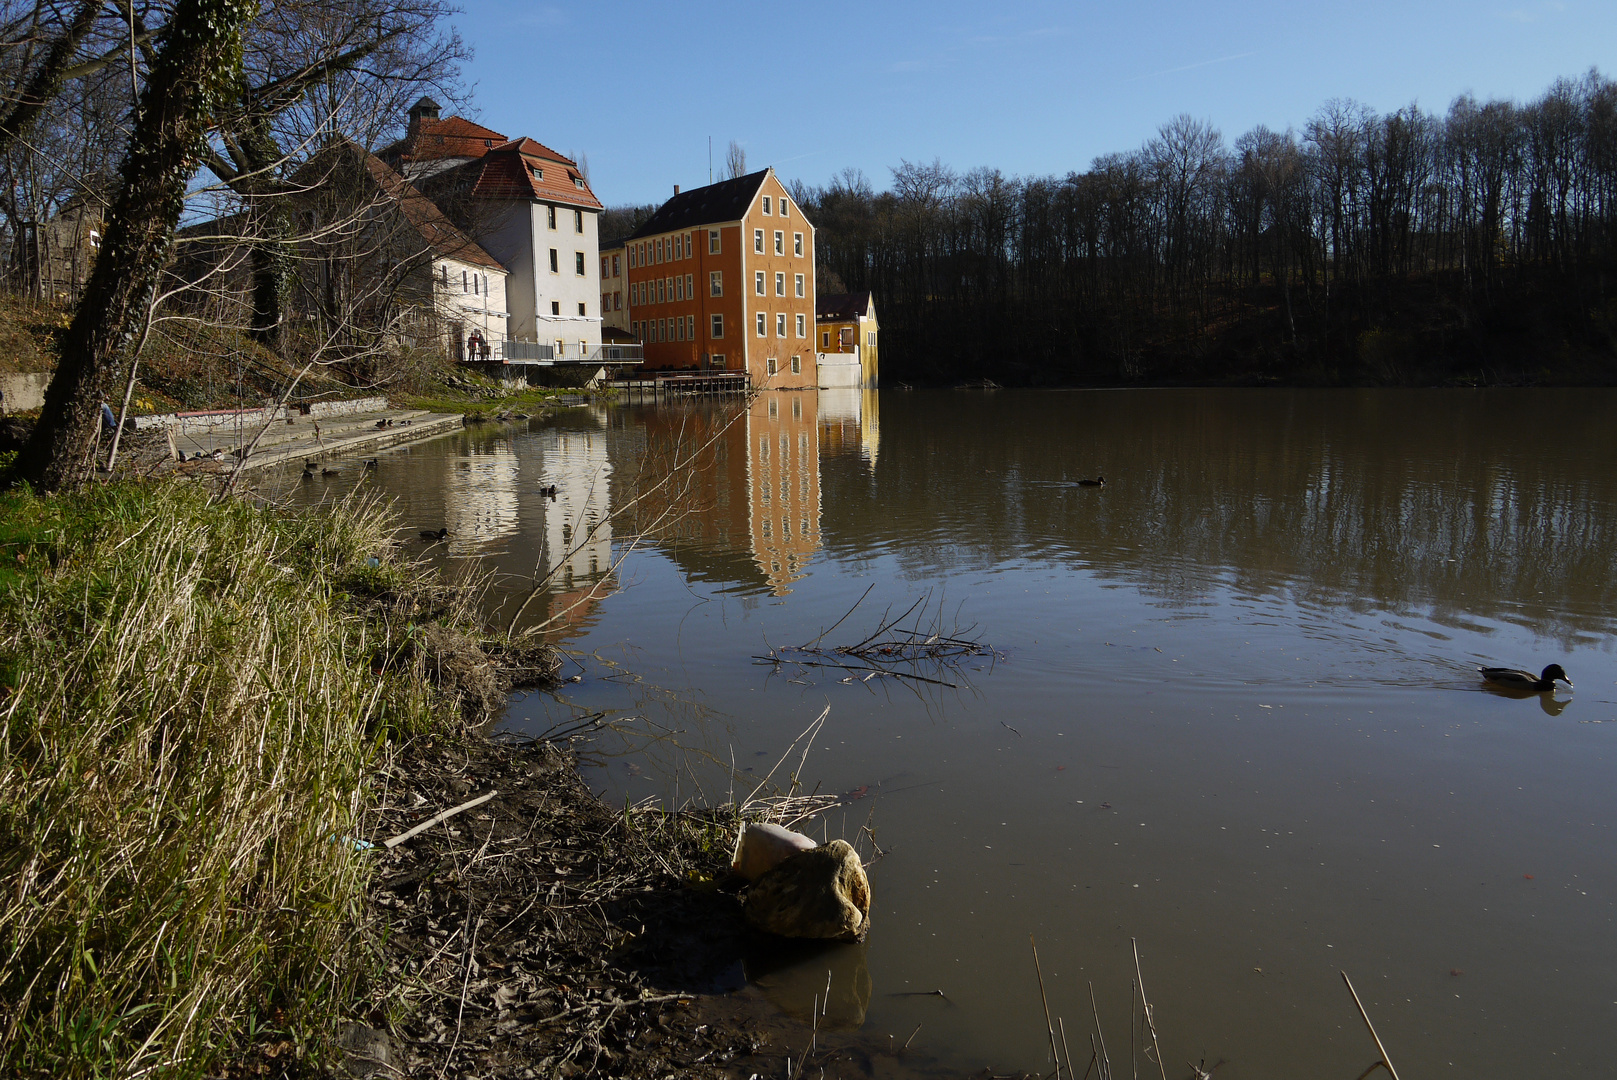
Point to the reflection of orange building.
(784, 485)
(723, 277)
(751, 512)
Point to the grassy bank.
(190, 697)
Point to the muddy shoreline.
(543, 934)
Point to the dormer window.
(488, 142)
(538, 173)
(578, 182)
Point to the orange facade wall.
(660, 267)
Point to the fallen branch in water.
(897, 648)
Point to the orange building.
(723, 277)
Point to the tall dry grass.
(187, 709)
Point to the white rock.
(762, 847)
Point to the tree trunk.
(200, 47)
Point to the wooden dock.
(685, 384)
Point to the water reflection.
(1239, 717)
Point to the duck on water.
(1517, 679)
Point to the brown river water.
(1231, 712)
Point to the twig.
(1150, 1021)
(1366, 1016)
(1048, 1026)
(1105, 1058)
(429, 823)
(911, 1039)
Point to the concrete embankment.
(326, 432)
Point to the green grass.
(488, 401)
(188, 708)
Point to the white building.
(532, 210)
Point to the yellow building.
(614, 301)
(848, 340)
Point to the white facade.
(470, 298)
(554, 291)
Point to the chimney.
(676, 189)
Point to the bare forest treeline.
(1406, 247)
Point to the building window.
(616, 272)
(802, 325)
(605, 267)
(799, 284)
(758, 282)
(766, 204)
(555, 307)
(477, 286)
(825, 341)
(446, 275)
(578, 182)
(780, 283)
(780, 242)
(780, 324)
(758, 241)
(463, 282)
(797, 244)
(538, 173)
(555, 263)
(718, 326)
(690, 286)
(551, 214)
(578, 262)
(715, 283)
(679, 288)
(797, 405)
(581, 307)
(763, 325)
(717, 359)
(713, 241)
(774, 406)
(578, 221)
(617, 301)
(690, 327)
(785, 207)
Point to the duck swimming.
(1516, 679)
(429, 535)
(1099, 481)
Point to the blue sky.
(1030, 87)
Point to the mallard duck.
(428, 534)
(1099, 481)
(308, 473)
(548, 491)
(370, 463)
(328, 471)
(1516, 679)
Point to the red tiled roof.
(452, 137)
(508, 172)
(437, 230)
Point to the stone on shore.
(821, 893)
(761, 847)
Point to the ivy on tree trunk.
(198, 58)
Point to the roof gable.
(843, 305)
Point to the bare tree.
(735, 161)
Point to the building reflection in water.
(850, 422)
(577, 525)
(481, 493)
(783, 484)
